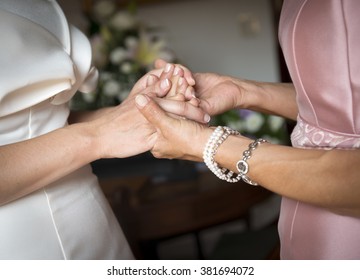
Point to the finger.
(189, 93)
(160, 63)
(141, 84)
(177, 97)
(181, 88)
(178, 87)
(188, 76)
(168, 71)
(152, 111)
(157, 86)
(179, 84)
(194, 101)
(174, 87)
(151, 80)
(184, 72)
(183, 109)
(205, 105)
(164, 86)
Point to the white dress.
(43, 62)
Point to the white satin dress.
(43, 62)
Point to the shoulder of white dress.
(35, 65)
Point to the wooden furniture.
(150, 213)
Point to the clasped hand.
(182, 132)
(169, 118)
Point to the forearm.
(324, 178)
(271, 98)
(32, 164)
(86, 116)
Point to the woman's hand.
(217, 94)
(161, 64)
(122, 131)
(174, 137)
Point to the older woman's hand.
(174, 137)
(216, 94)
(122, 131)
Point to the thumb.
(151, 110)
(160, 63)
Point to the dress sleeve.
(35, 66)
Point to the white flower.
(275, 123)
(105, 76)
(254, 122)
(123, 20)
(118, 55)
(98, 46)
(131, 42)
(103, 9)
(126, 68)
(89, 97)
(111, 88)
(237, 125)
(148, 50)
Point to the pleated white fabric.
(43, 62)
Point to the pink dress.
(321, 45)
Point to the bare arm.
(271, 98)
(29, 165)
(321, 177)
(109, 132)
(324, 178)
(219, 93)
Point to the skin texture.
(272, 166)
(218, 94)
(119, 131)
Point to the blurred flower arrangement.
(255, 125)
(124, 49)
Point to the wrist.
(230, 151)
(249, 96)
(226, 170)
(195, 149)
(87, 141)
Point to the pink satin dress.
(321, 44)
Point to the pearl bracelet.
(220, 134)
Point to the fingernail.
(207, 118)
(141, 100)
(165, 84)
(190, 93)
(150, 80)
(176, 71)
(168, 68)
(181, 81)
